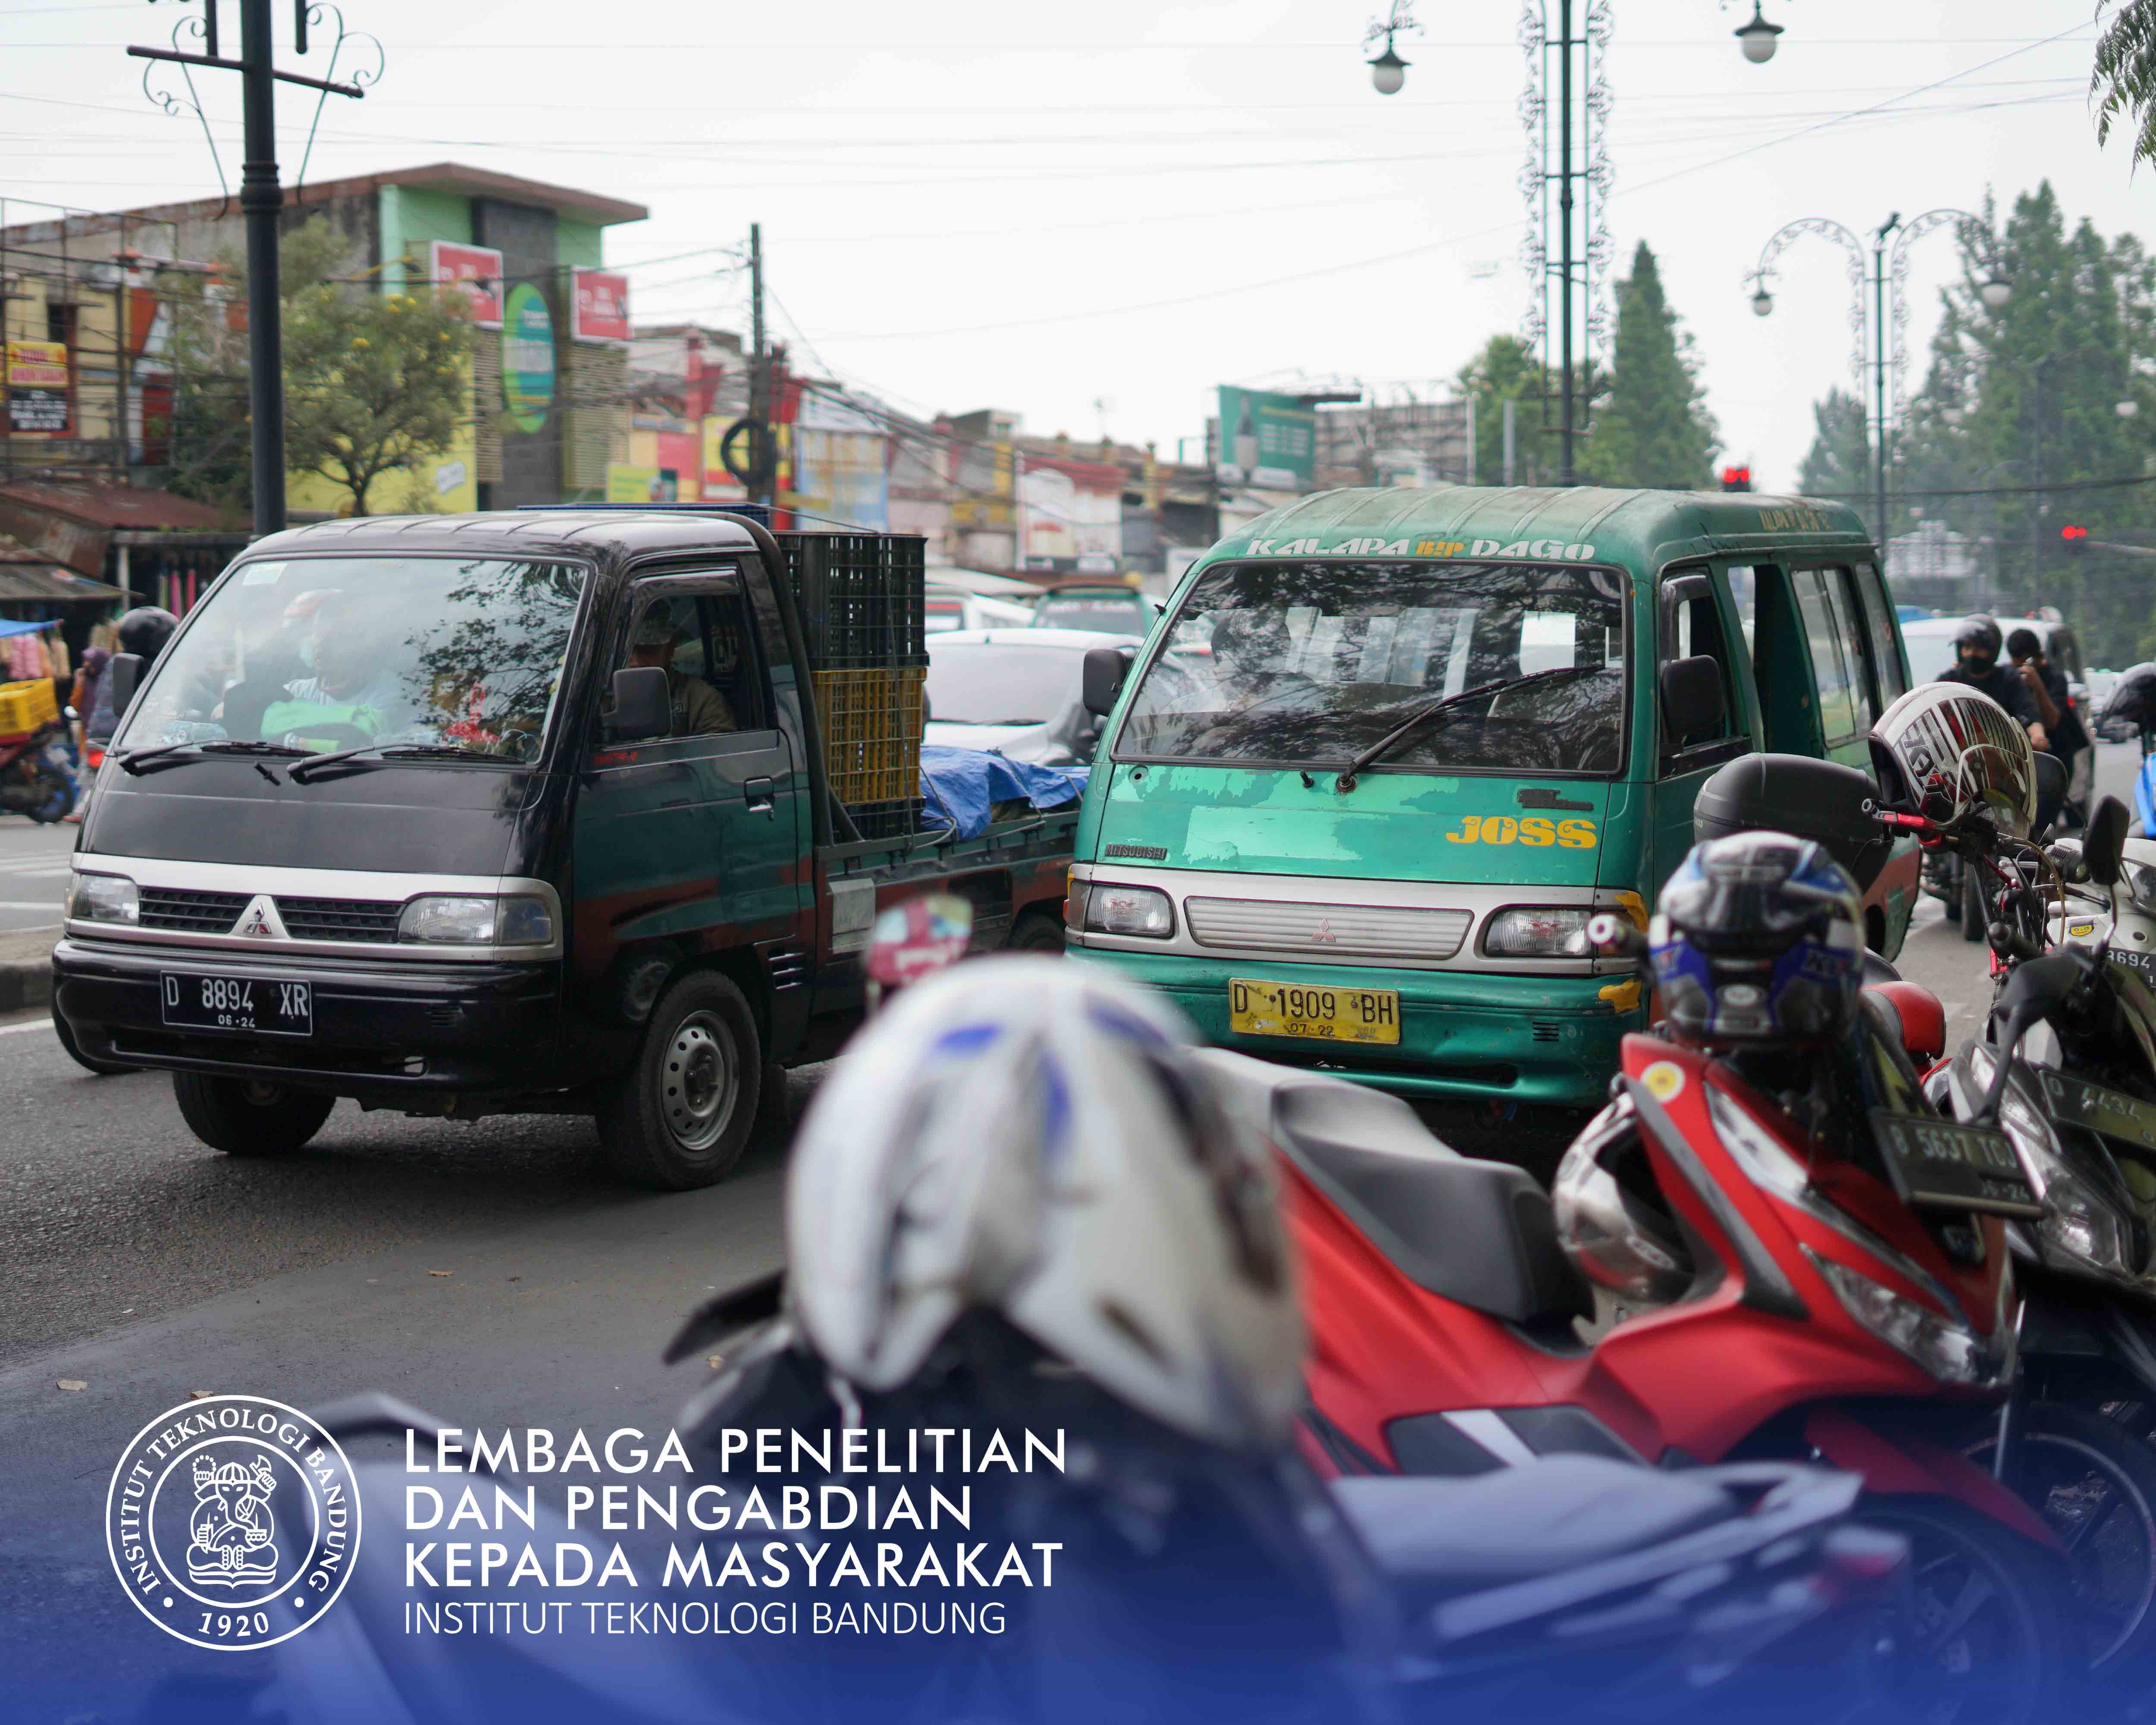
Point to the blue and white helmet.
(1759, 937)
(1033, 1136)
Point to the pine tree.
(1839, 465)
(1507, 370)
(1654, 429)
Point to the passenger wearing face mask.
(1976, 646)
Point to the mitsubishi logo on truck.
(260, 920)
(1322, 935)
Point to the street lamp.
(1388, 71)
(1763, 302)
(2127, 409)
(1759, 37)
(1996, 290)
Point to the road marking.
(33, 1024)
(29, 904)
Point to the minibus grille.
(1325, 931)
(339, 919)
(179, 912)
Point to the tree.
(1507, 370)
(374, 383)
(1654, 430)
(1839, 461)
(2124, 79)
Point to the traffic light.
(2076, 538)
(1735, 479)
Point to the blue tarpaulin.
(961, 785)
(7, 629)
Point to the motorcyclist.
(1976, 646)
(1019, 1203)
(2046, 684)
(142, 632)
(2132, 704)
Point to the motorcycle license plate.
(2113, 1113)
(1944, 1165)
(259, 1006)
(1319, 1014)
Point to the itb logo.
(232, 1522)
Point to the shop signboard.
(1267, 440)
(602, 307)
(38, 387)
(626, 482)
(527, 357)
(477, 270)
(841, 464)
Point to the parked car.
(1015, 692)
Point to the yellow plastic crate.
(26, 707)
(871, 724)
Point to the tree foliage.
(375, 383)
(1507, 370)
(1839, 462)
(2123, 82)
(1654, 428)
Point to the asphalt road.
(489, 1272)
(34, 872)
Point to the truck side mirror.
(1691, 699)
(1102, 680)
(125, 673)
(643, 704)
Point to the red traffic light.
(2073, 532)
(1735, 479)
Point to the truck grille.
(1323, 930)
(191, 912)
(339, 919)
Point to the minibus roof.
(1643, 530)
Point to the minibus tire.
(1974, 910)
(681, 1115)
(244, 1117)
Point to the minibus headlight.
(1128, 910)
(453, 920)
(105, 898)
(1539, 931)
(1950, 1351)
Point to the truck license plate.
(260, 1006)
(1943, 1164)
(1257, 1008)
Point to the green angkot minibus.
(1389, 750)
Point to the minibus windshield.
(325, 654)
(1311, 663)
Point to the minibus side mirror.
(1102, 680)
(125, 672)
(1692, 707)
(643, 704)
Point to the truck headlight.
(1950, 1351)
(1110, 909)
(2079, 1223)
(452, 920)
(1538, 932)
(105, 898)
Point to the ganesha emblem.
(233, 1543)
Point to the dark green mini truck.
(527, 813)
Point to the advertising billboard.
(475, 268)
(527, 357)
(601, 307)
(841, 463)
(38, 387)
(1269, 441)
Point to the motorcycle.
(1798, 1259)
(36, 776)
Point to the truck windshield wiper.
(1437, 709)
(390, 751)
(178, 754)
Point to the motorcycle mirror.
(2103, 845)
(125, 673)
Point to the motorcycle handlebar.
(1614, 936)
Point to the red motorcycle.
(1795, 1259)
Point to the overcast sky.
(1094, 215)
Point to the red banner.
(477, 270)
(602, 313)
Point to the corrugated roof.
(48, 584)
(117, 507)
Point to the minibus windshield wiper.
(390, 751)
(178, 754)
(1448, 703)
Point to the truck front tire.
(681, 1117)
(244, 1117)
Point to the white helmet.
(1032, 1136)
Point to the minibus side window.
(1693, 629)
(1881, 636)
(1844, 702)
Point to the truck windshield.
(1311, 663)
(334, 653)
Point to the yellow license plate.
(1321, 1014)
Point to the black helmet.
(1759, 937)
(2133, 703)
(1979, 634)
(145, 630)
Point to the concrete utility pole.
(261, 202)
